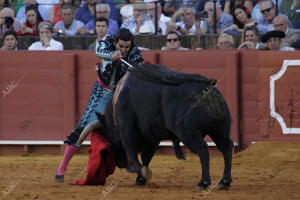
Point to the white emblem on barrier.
(273, 78)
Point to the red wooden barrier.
(44, 93)
(286, 97)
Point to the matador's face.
(123, 46)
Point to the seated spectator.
(101, 27)
(10, 40)
(187, 24)
(291, 8)
(33, 18)
(8, 21)
(103, 11)
(54, 14)
(250, 38)
(69, 26)
(267, 8)
(46, 41)
(161, 18)
(280, 23)
(173, 42)
(86, 12)
(241, 18)
(21, 15)
(225, 41)
(139, 20)
(273, 40)
(256, 14)
(223, 20)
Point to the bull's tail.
(178, 151)
(162, 75)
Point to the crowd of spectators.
(172, 18)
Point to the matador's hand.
(116, 55)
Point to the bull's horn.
(88, 129)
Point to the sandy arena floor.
(263, 171)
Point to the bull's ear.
(100, 116)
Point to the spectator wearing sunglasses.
(173, 42)
(268, 11)
(256, 14)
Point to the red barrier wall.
(286, 96)
(256, 67)
(33, 95)
(44, 93)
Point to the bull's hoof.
(203, 185)
(146, 173)
(223, 185)
(140, 181)
(145, 176)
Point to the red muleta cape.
(101, 161)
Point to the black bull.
(152, 104)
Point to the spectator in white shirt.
(46, 41)
(188, 25)
(138, 20)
